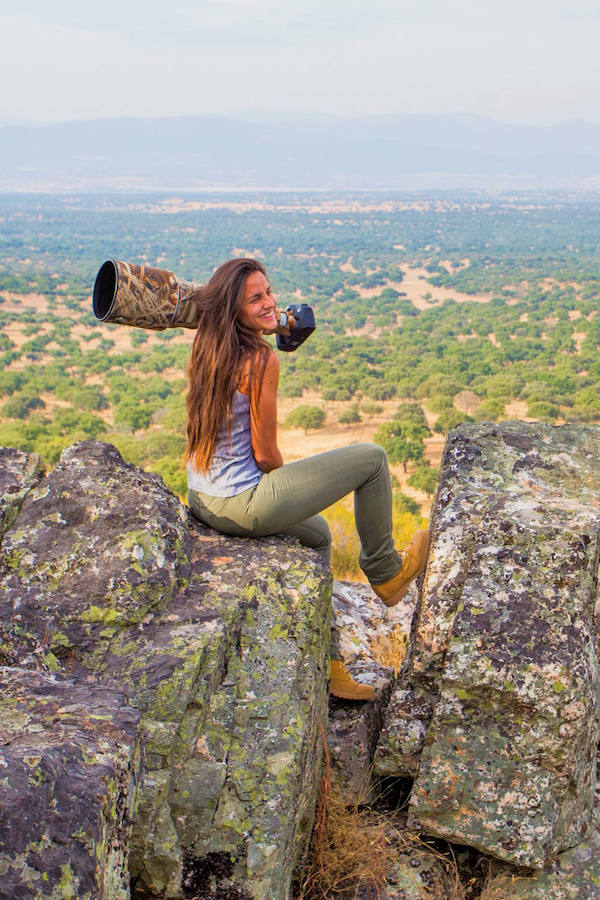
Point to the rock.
(19, 473)
(69, 764)
(372, 642)
(413, 871)
(573, 875)
(221, 646)
(497, 711)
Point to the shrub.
(305, 417)
(541, 409)
(371, 409)
(424, 479)
(345, 543)
(489, 410)
(349, 416)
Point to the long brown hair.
(221, 348)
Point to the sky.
(534, 61)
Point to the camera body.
(303, 325)
(145, 297)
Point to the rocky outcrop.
(573, 875)
(497, 711)
(70, 764)
(163, 687)
(184, 678)
(372, 641)
(19, 472)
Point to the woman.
(236, 477)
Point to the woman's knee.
(374, 455)
(380, 455)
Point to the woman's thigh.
(297, 491)
(314, 533)
(228, 515)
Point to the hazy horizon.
(533, 63)
(275, 115)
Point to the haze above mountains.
(298, 151)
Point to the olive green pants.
(287, 501)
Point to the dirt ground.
(416, 286)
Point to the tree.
(349, 416)
(449, 419)
(21, 404)
(130, 414)
(371, 409)
(138, 338)
(381, 391)
(401, 441)
(290, 389)
(412, 414)
(305, 417)
(489, 410)
(424, 479)
(543, 410)
(402, 503)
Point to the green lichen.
(95, 614)
(68, 885)
(51, 661)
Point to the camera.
(145, 297)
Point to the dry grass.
(348, 847)
(453, 887)
(465, 883)
(353, 848)
(390, 650)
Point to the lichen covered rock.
(573, 875)
(412, 869)
(19, 473)
(69, 764)
(220, 645)
(497, 711)
(415, 873)
(372, 641)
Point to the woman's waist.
(226, 477)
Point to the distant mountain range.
(288, 151)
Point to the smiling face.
(257, 309)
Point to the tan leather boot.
(343, 685)
(414, 559)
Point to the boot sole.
(342, 695)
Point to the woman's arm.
(263, 417)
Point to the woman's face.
(257, 309)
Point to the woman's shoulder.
(258, 365)
(261, 363)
